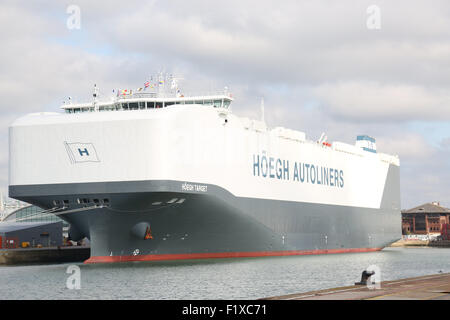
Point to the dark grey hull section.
(182, 223)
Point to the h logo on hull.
(81, 152)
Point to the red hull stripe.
(187, 256)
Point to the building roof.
(14, 226)
(12, 214)
(433, 207)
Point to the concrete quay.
(44, 255)
(431, 287)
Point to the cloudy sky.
(340, 67)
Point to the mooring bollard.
(364, 276)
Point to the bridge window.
(141, 105)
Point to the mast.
(2, 204)
(94, 95)
(262, 110)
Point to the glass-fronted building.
(32, 213)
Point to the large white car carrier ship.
(155, 174)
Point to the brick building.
(425, 219)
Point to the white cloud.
(305, 42)
(370, 101)
(445, 143)
(316, 64)
(407, 146)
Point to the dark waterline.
(246, 278)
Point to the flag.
(146, 84)
(125, 92)
(81, 152)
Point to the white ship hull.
(271, 177)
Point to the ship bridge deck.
(142, 101)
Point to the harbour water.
(249, 278)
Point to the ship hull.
(214, 224)
(195, 182)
